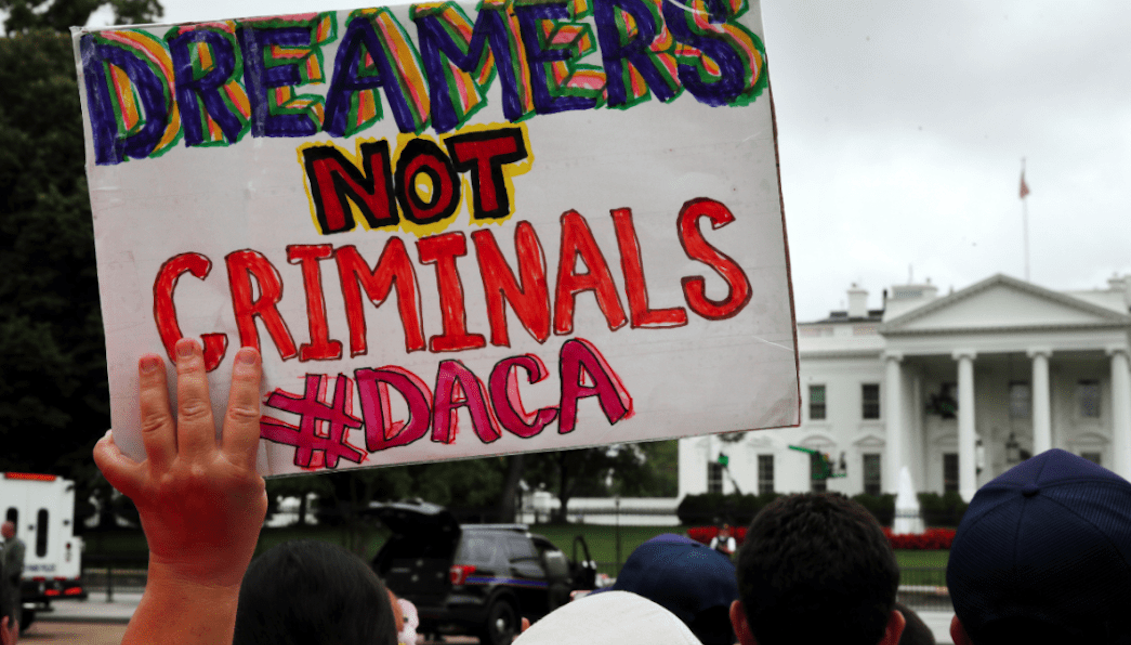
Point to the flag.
(1024, 186)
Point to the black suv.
(476, 579)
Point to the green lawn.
(602, 541)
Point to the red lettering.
(578, 242)
(531, 301)
(381, 432)
(242, 266)
(456, 387)
(335, 183)
(421, 156)
(320, 347)
(485, 154)
(697, 248)
(442, 250)
(393, 268)
(634, 285)
(165, 310)
(507, 402)
(585, 373)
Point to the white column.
(893, 420)
(1042, 410)
(1120, 412)
(967, 472)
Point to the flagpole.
(1025, 219)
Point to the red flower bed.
(932, 539)
(705, 533)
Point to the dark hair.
(308, 592)
(916, 631)
(816, 568)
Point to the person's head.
(816, 568)
(724, 531)
(308, 592)
(915, 632)
(1043, 555)
(9, 625)
(8, 530)
(694, 582)
(610, 618)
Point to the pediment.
(1001, 302)
(869, 441)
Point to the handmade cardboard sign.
(453, 230)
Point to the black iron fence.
(924, 589)
(114, 573)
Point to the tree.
(61, 15)
(53, 385)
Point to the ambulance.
(42, 507)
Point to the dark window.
(1020, 400)
(816, 402)
(1094, 457)
(950, 472)
(765, 474)
(872, 474)
(871, 396)
(520, 548)
(1088, 398)
(714, 477)
(41, 533)
(817, 481)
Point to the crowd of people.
(1043, 555)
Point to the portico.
(957, 388)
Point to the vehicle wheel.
(501, 625)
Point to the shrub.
(882, 507)
(932, 539)
(716, 508)
(942, 510)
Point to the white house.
(956, 387)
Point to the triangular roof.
(1000, 303)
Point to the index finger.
(240, 440)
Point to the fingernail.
(246, 356)
(149, 363)
(185, 348)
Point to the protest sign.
(452, 230)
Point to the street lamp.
(1012, 450)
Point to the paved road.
(73, 633)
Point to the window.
(872, 474)
(817, 481)
(816, 402)
(1088, 399)
(41, 533)
(1094, 457)
(950, 472)
(1020, 400)
(871, 396)
(765, 474)
(714, 477)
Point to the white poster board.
(452, 230)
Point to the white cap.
(609, 618)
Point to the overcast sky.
(901, 131)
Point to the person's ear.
(9, 631)
(896, 623)
(958, 633)
(740, 624)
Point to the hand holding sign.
(200, 499)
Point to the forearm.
(175, 611)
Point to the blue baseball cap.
(694, 582)
(1047, 543)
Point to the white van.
(42, 507)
